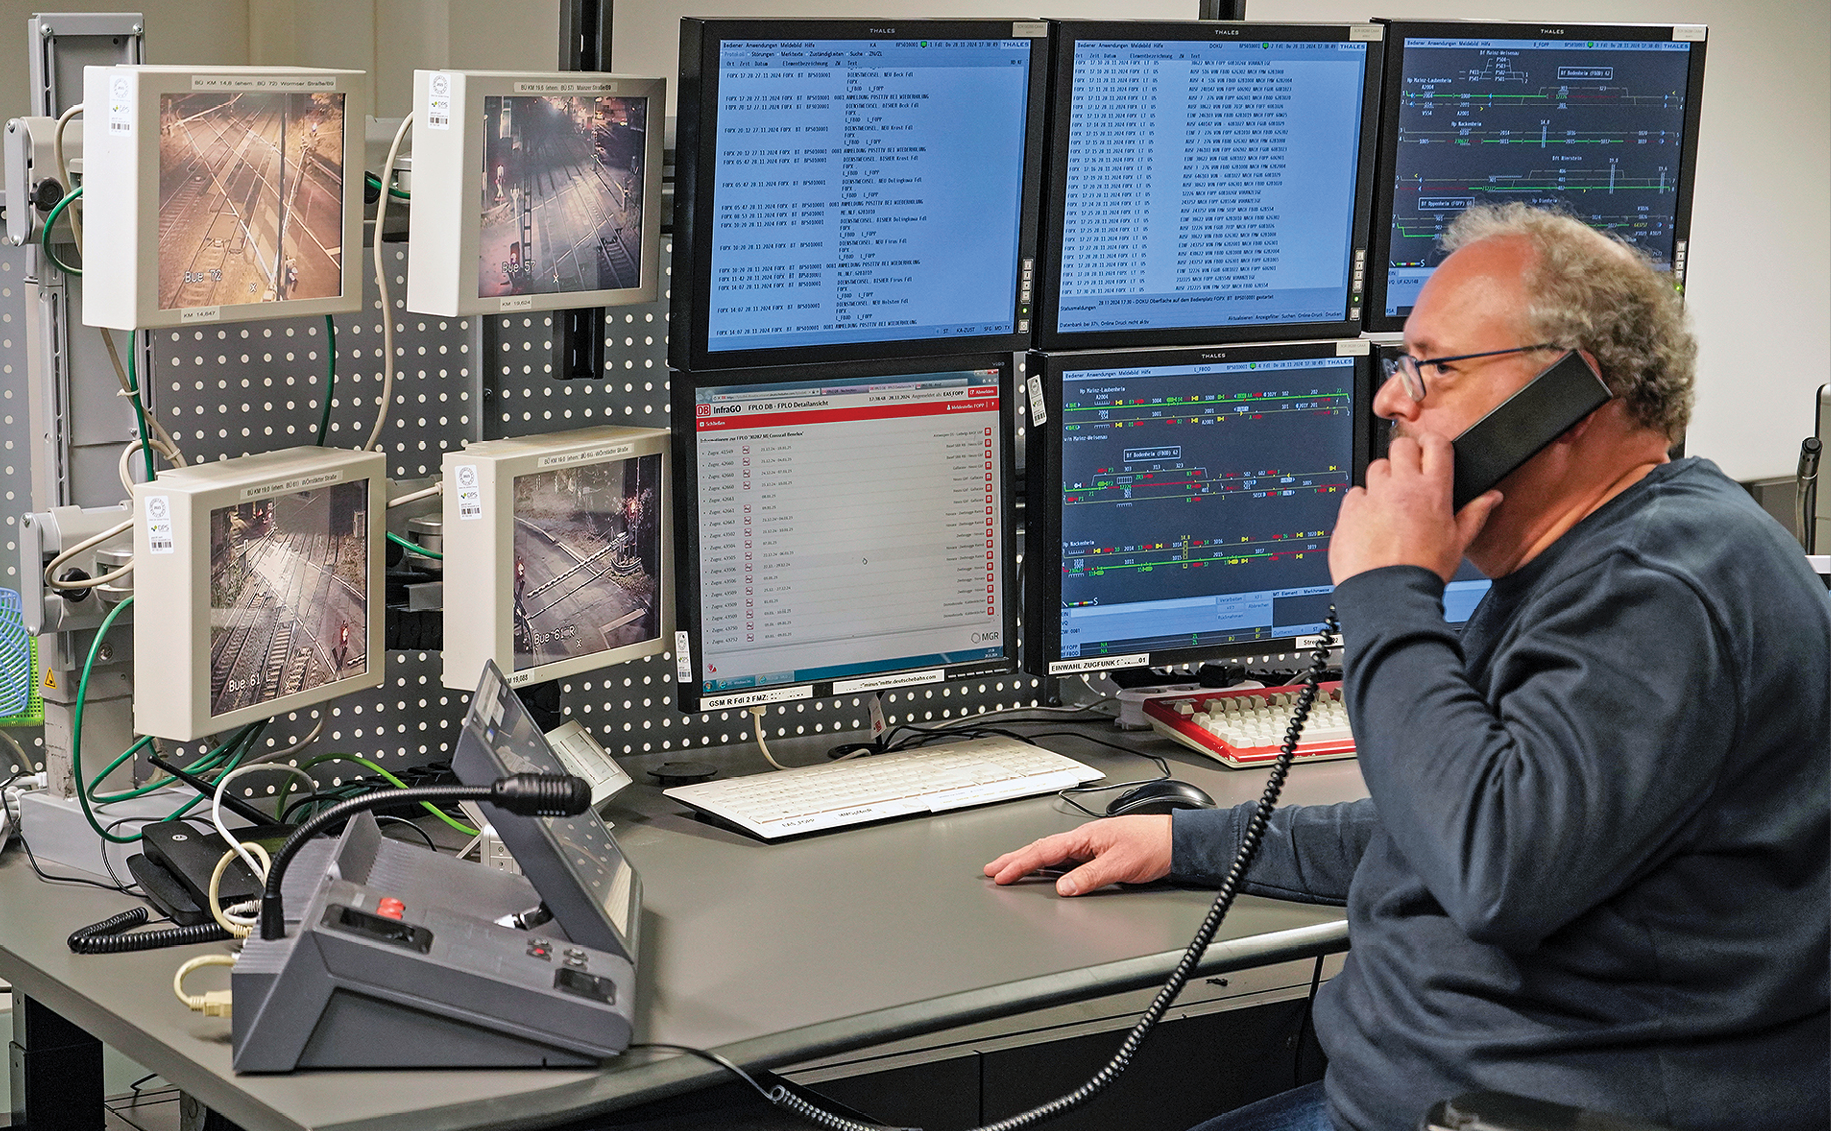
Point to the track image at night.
(288, 595)
(587, 555)
(562, 194)
(250, 198)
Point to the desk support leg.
(56, 1071)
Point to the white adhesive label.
(1039, 410)
(470, 495)
(683, 659)
(1099, 664)
(159, 538)
(754, 698)
(438, 102)
(886, 682)
(522, 302)
(201, 314)
(120, 105)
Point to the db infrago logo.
(702, 410)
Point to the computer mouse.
(1159, 797)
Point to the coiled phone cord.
(1223, 900)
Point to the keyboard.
(1245, 726)
(931, 779)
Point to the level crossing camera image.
(250, 198)
(562, 194)
(587, 556)
(289, 595)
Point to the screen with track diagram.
(1592, 127)
(1197, 501)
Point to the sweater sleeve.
(1603, 726)
(1308, 854)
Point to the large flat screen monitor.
(852, 189)
(534, 191)
(846, 532)
(1180, 500)
(258, 585)
(221, 194)
(1596, 120)
(1208, 181)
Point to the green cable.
(253, 733)
(413, 547)
(76, 727)
(110, 768)
(330, 379)
(44, 233)
(203, 765)
(392, 780)
(394, 191)
(133, 391)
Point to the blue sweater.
(1598, 872)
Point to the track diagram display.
(1197, 502)
(587, 559)
(289, 596)
(562, 194)
(1591, 127)
(250, 197)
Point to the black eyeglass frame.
(1410, 370)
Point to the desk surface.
(769, 953)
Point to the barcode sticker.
(470, 494)
(438, 102)
(159, 538)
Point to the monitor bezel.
(1043, 495)
(1067, 33)
(696, 150)
(478, 566)
(690, 659)
(1385, 186)
(445, 248)
(121, 194)
(172, 613)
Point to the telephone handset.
(1526, 423)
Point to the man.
(1593, 868)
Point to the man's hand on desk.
(1114, 850)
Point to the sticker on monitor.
(562, 194)
(289, 601)
(587, 559)
(250, 198)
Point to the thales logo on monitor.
(1225, 30)
(1551, 31)
(882, 30)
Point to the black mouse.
(1159, 797)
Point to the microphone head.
(542, 795)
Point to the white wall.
(1759, 284)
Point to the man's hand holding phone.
(1403, 516)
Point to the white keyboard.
(931, 779)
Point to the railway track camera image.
(250, 198)
(289, 598)
(587, 556)
(562, 194)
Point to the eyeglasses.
(1410, 369)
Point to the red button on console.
(390, 908)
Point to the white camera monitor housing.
(226, 194)
(556, 553)
(534, 192)
(257, 588)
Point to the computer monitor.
(555, 553)
(534, 191)
(1180, 500)
(582, 876)
(854, 189)
(257, 588)
(221, 194)
(1208, 181)
(1600, 121)
(844, 532)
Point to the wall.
(1760, 268)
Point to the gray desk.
(771, 954)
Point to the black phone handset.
(1525, 424)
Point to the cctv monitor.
(1180, 500)
(534, 191)
(1599, 121)
(1208, 181)
(854, 189)
(845, 532)
(257, 588)
(556, 553)
(225, 194)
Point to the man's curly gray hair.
(1594, 292)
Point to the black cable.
(423, 834)
(50, 879)
(108, 937)
(1303, 1023)
(1223, 901)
